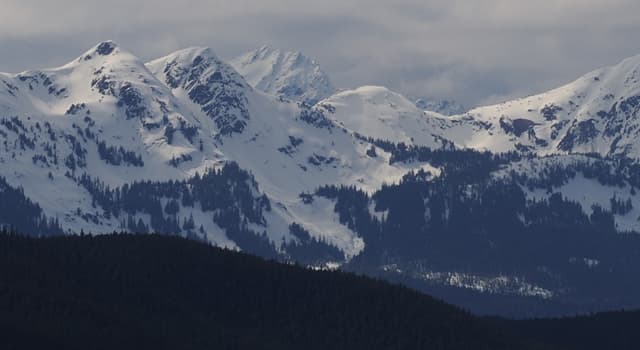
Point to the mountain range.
(514, 208)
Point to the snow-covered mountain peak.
(268, 52)
(597, 113)
(211, 84)
(105, 48)
(373, 95)
(188, 56)
(106, 51)
(196, 61)
(622, 80)
(379, 113)
(585, 93)
(102, 75)
(287, 74)
(264, 51)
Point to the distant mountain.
(380, 113)
(286, 74)
(487, 209)
(76, 137)
(444, 107)
(598, 113)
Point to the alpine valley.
(525, 208)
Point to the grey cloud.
(471, 51)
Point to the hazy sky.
(473, 51)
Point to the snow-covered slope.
(104, 115)
(287, 74)
(105, 96)
(598, 113)
(213, 85)
(379, 113)
(290, 150)
(110, 117)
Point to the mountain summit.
(287, 74)
(597, 113)
(208, 82)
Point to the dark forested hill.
(161, 292)
(609, 330)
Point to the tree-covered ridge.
(310, 251)
(19, 213)
(474, 165)
(163, 292)
(609, 330)
(149, 291)
(232, 198)
(476, 226)
(229, 194)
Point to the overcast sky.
(472, 51)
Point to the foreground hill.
(162, 292)
(132, 292)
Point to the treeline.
(230, 194)
(18, 212)
(609, 330)
(310, 251)
(474, 165)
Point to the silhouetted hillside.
(609, 330)
(159, 292)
